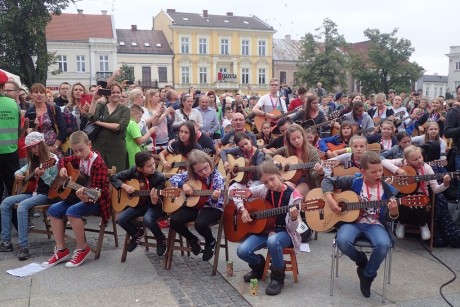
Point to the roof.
(287, 49)
(79, 27)
(146, 42)
(434, 78)
(218, 21)
(360, 48)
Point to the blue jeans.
(377, 234)
(150, 213)
(26, 201)
(61, 209)
(275, 244)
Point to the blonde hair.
(427, 138)
(72, 103)
(357, 137)
(196, 157)
(78, 137)
(410, 150)
(149, 95)
(389, 123)
(291, 151)
(268, 167)
(133, 93)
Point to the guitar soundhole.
(65, 183)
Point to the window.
(245, 75)
(62, 62)
(282, 77)
(224, 46)
(457, 65)
(203, 46)
(184, 45)
(103, 63)
(245, 47)
(427, 92)
(203, 75)
(261, 75)
(163, 74)
(223, 69)
(81, 66)
(262, 49)
(440, 91)
(185, 75)
(435, 91)
(146, 74)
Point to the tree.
(126, 73)
(23, 39)
(323, 58)
(386, 65)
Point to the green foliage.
(126, 73)
(387, 65)
(22, 27)
(323, 57)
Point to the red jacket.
(295, 103)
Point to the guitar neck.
(206, 192)
(367, 204)
(321, 124)
(302, 166)
(143, 193)
(247, 169)
(180, 164)
(435, 176)
(74, 186)
(271, 212)
(28, 177)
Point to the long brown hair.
(427, 137)
(43, 155)
(291, 151)
(196, 157)
(307, 105)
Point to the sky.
(432, 27)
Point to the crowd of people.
(145, 133)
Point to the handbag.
(92, 130)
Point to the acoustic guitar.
(311, 124)
(325, 219)
(177, 162)
(197, 199)
(378, 121)
(263, 217)
(64, 187)
(239, 171)
(291, 169)
(410, 183)
(29, 183)
(121, 199)
(260, 119)
(340, 170)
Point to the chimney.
(288, 37)
(229, 13)
(170, 10)
(80, 11)
(205, 13)
(103, 12)
(134, 27)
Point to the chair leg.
(226, 250)
(385, 279)
(433, 203)
(217, 248)
(99, 240)
(124, 253)
(267, 265)
(390, 259)
(115, 232)
(170, 248)
(295, 268)
(47, 224)
(146, 239)
(334, 267)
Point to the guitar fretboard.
(306, 165)
(271, 212)
(419, 178)
(367, 204)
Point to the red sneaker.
(58, 257)
(79, 256)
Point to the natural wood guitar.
(340, 170)
(239, 171)
(197, 199)
(29, 183)
(121, 199)
(63, 187)
(324, 219)
(291, 169)
(410, 183)
(177, 162)
(311, 124)
(263, 215)
(260, 119)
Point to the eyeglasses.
(203, 169)
(274, 85)
(10, 91)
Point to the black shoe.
(208, 251)
(363, 262)
(161, 246)
(134, 242)
(23, 253)
(364, 283)
(257, 270)
(277, 281)
(6, 247)
(195, 245)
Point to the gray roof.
(434, 78)
(147, 42)
(218, 21)
(287, 50)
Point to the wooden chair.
(101, 230)
(291, 264)
(145, 242)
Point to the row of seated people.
(199, 167)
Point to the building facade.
(454, 69)
(432, 86)
(286, 56)
(85, 52)
(149, 55)
(218, 52)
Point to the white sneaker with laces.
(425, 232)
(400, 231)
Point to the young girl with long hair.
(266, 133)
(432, 134)
(403, 140)
(341, 139)
(386, 138)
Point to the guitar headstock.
(330, 163)
(402, 179)
(439, 163)
(48, 163)
(333, 115)
(170, 192)
(312, 204)
(416, 200)
(243, 193)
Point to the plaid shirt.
(99, 179)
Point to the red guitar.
(29, 183)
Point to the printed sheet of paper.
(26, 270)
(305, 247)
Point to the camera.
(104, 92)
(198, 92)
(129, 82)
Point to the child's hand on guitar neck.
(39, 171)
(216, 194)
(154, 196)
(294, 212)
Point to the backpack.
(446, 232)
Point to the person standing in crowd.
(113, 118)
(186, 112)
(270, 102)
(452, 130)
(64, 90)
(300, 100)
(210, 122)
(319, 90)
(238, 125)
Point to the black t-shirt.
(280, 219)
(276, 143)
(60, 101)
(207, 144)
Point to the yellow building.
(218, 52)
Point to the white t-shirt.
(268, 104)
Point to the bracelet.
(328, 192)
(242, 209)
(393, 217)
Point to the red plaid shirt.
(99, 179)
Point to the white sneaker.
(400, 231)
(425, 232)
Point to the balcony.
(103, 75)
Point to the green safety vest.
(10, 120)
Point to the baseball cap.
(34, 138)
(3, 77)
(338, 96)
